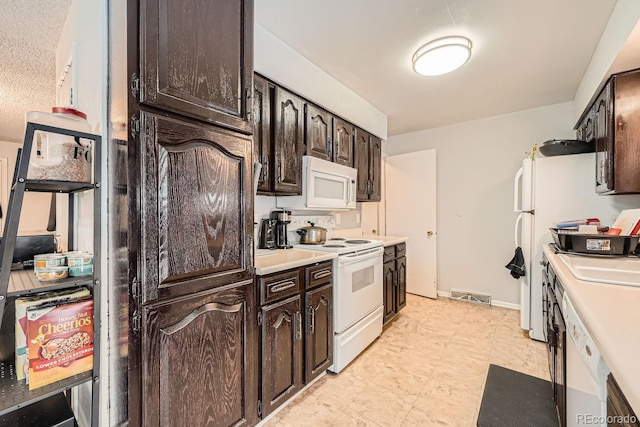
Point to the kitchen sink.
(618, 271)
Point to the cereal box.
(22, 367)
(60, 340)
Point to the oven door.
(358, 287)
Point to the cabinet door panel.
(195, 207)
(343, 134)
(375, 169)
(401, 268)
(197, 58)
(318, 133)
(281, 352)
(262, 94)
(199, 363)
(388, 272)
(604, 143)
(361, 163)
(289, 142)
(319, 331)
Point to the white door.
(410, 199)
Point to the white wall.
(476, 164)
(276, 60)
(622, 21)
(35, 207)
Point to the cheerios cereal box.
(60, 340)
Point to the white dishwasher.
(586, 371)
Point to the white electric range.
(357, 295)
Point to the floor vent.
(470, 297)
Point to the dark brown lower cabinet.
(281, 352)
(318, 331)
(619, 412)
(394, 272)
(388, 272)
(198, 356)
(296, 339)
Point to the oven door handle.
(360, 256)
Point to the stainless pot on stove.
(312, 235)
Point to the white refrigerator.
(549, 190)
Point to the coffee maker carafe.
(267, 238)
(283, 218)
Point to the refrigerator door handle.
(516, 234)
(517, 189)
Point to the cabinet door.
(388, 272)
(618, 407)
(262, 94)
(199, 364)
(318, 133)
(281, 352)
(194, 211)
(604, 142)
(343, 134)
(319, 331)
(401, 282)
(625, 124)
(196, 58)
(289, 141)
(361, 163)
(375, 169)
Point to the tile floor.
(427, 368)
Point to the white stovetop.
(611, 315)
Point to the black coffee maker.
(283, 218)
(267, 238)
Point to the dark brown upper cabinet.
(318, 125)
(262, 138)
(199, 360)
(195, 208)
(368, 160)
(288, 144)
(617, 135)
(343, 136)
(196, 59)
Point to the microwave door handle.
(517, 189)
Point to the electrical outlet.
(338, 218)
(358, 217)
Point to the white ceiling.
(29, 34)
(526, 54)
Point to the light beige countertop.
(272, 261)
(387, 240)
(611, 314)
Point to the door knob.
(429, 233)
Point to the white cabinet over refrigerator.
(549, 190)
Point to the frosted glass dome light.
(442, 55)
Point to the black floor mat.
(515, 399)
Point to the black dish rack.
(595, 244)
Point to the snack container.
(83, 270)
(80, 259)
(48, 261)
(47, 274)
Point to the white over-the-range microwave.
(325, 186)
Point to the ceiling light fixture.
(442, 55)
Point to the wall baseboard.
(502, 304)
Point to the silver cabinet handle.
(322, 273)
(282, 286)
(312, 320)
(279, 162)
(298, 331)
